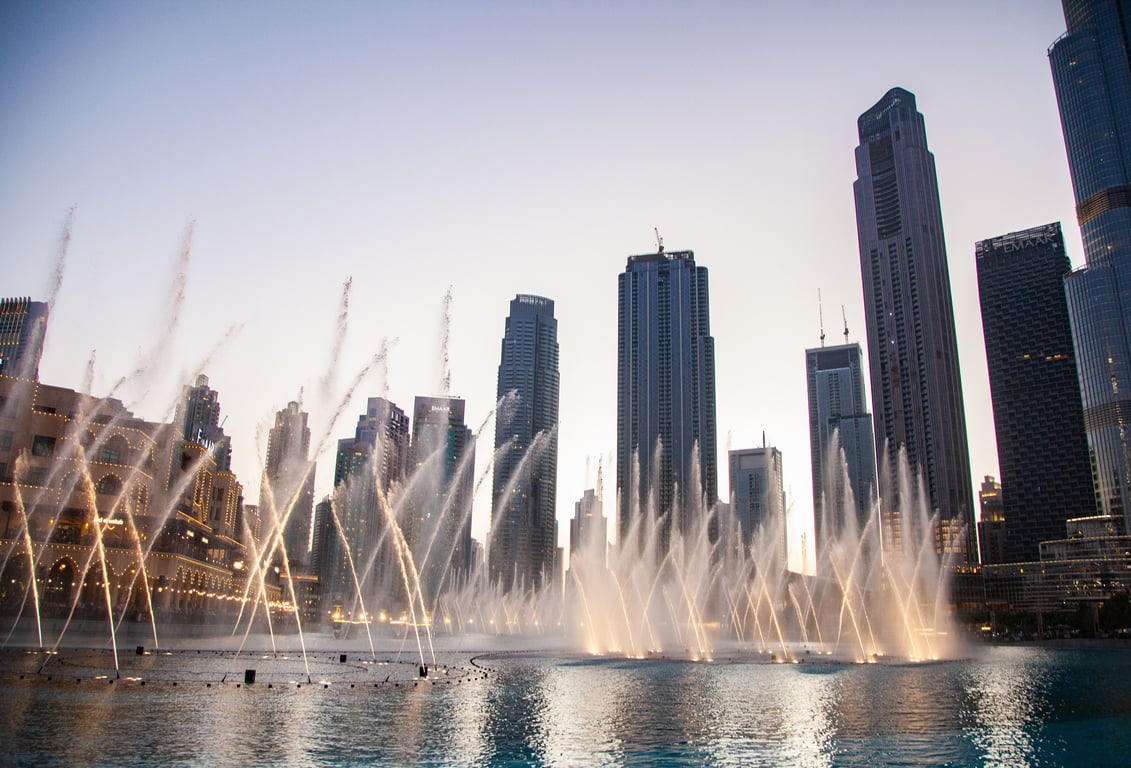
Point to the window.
(43, 446)
(6, 440)
(110, 485)
(36, 476)
(109, 454)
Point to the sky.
(224, 170)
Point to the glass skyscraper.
(198, 416)
(666, 443)
(374, 458)
(1046, 475)
(841, 443)
(23, 326)
(524, 488)
(912, 351)
(1091, 68)
(443, 457)
(286, 497)
(757, 492)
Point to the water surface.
(1007, 706)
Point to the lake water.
(1006, 705)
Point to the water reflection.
(1014, 706)
(1007, 703)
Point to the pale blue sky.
(495, 148)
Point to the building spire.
(821, 316)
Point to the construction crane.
(659, 240)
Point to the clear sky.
(490, 148)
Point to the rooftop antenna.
(659, 240)
(845, 318)
(821, 316)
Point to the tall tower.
(1091, 70)
(841, 443)
(912, 350)
(588, 529)
(198, 416)
(1046, 474)
(373, 460)
(666, 442)
(524, 488)
(286, 497)
(758, 495)
(443, 458)
(23, 326)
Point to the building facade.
(841, 442)
(991, 524)
(524, 486)
(912, 351)
(1091, 69)
(357, 554)
(666, 435)
(198, 415)
(443, 466)
(757, 493)
(286, 496)
(1046, 472)
(589, 528)
(23, 327)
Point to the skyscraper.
(524, 488)
(23, 326)
(758, 495)
(286, 497)
(198, 417)
(840, 430)
(589, 528)
(1091, 69)
(372, 461)
(443, 458)
(912, 352)
(991, 525)
(1046, 474)
(666, 442)
(201, 449)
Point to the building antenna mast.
(821, 317)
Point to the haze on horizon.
(493, 149)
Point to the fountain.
(699, 597)
(703, 597)
(92, 534)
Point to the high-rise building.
(198, 417)
(589, 528)
(912, 351)
(666, 442)
(1091, 69)
(286, 497)
(991, 525)
(524, 489)
(323, 546)
(368, 466)
(757, 495)
(841, 444)
(443, 458)
(23, 326)
(1046, 473)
